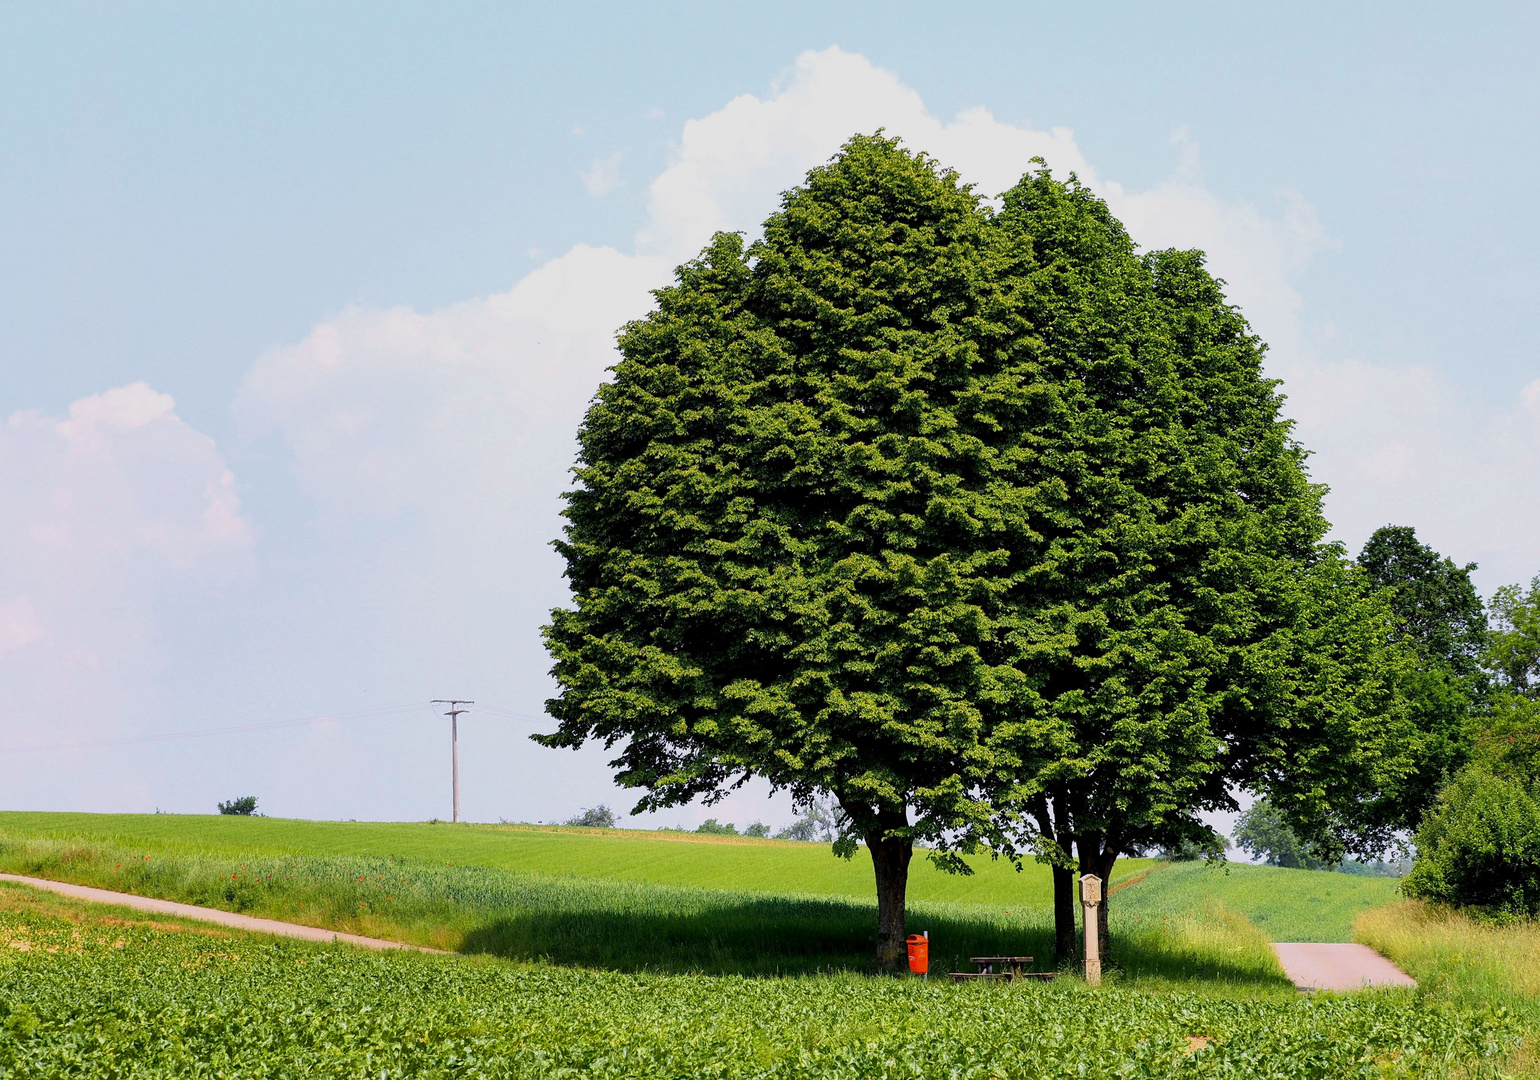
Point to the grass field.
(617, 924)
(1284, 905)
(618, 954)
(99, 992)
(540, 893)
(710, 862)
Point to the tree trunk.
(890, 859)
(1054, 826)
(1064, 944)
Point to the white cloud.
(107, 509)
(19, 624)
(728, 168)
(453, 411)
(602, 176)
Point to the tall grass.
(1466, 959)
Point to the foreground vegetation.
(105, 993)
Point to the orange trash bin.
(919, 953)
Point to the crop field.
(104, 993)
(1284, 905)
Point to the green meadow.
(710, 862)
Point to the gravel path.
(211, 915)
(1319, 966)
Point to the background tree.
(1262, 832)
(1513, 651)
(593, 817)
(245, 806)
(1439, 616)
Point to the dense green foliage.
(1439, 615)
(1480, 845)
(1514, 651)
(115, 1001)
(980, 522)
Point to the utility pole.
(454, 740)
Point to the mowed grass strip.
(90, 996)
(735, 863)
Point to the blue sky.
(299, 305)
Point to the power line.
(203, 732)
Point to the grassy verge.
(1459, 957)
(88, 994)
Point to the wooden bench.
(1007, 968)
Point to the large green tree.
(976, 520)
(1182, 628)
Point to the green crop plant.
(97, 998)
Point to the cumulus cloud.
(602, 176)
(455, 411)
(106, 508)
(729, 167)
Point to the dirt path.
(211, 915)
(1319, 966)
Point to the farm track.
(1337, 966)
(213, 915)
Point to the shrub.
(596, 817)
(1480, 846)
(759, 829)
(245, 806)
(712, 827)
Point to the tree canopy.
(1437, 617)
(979, 521)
